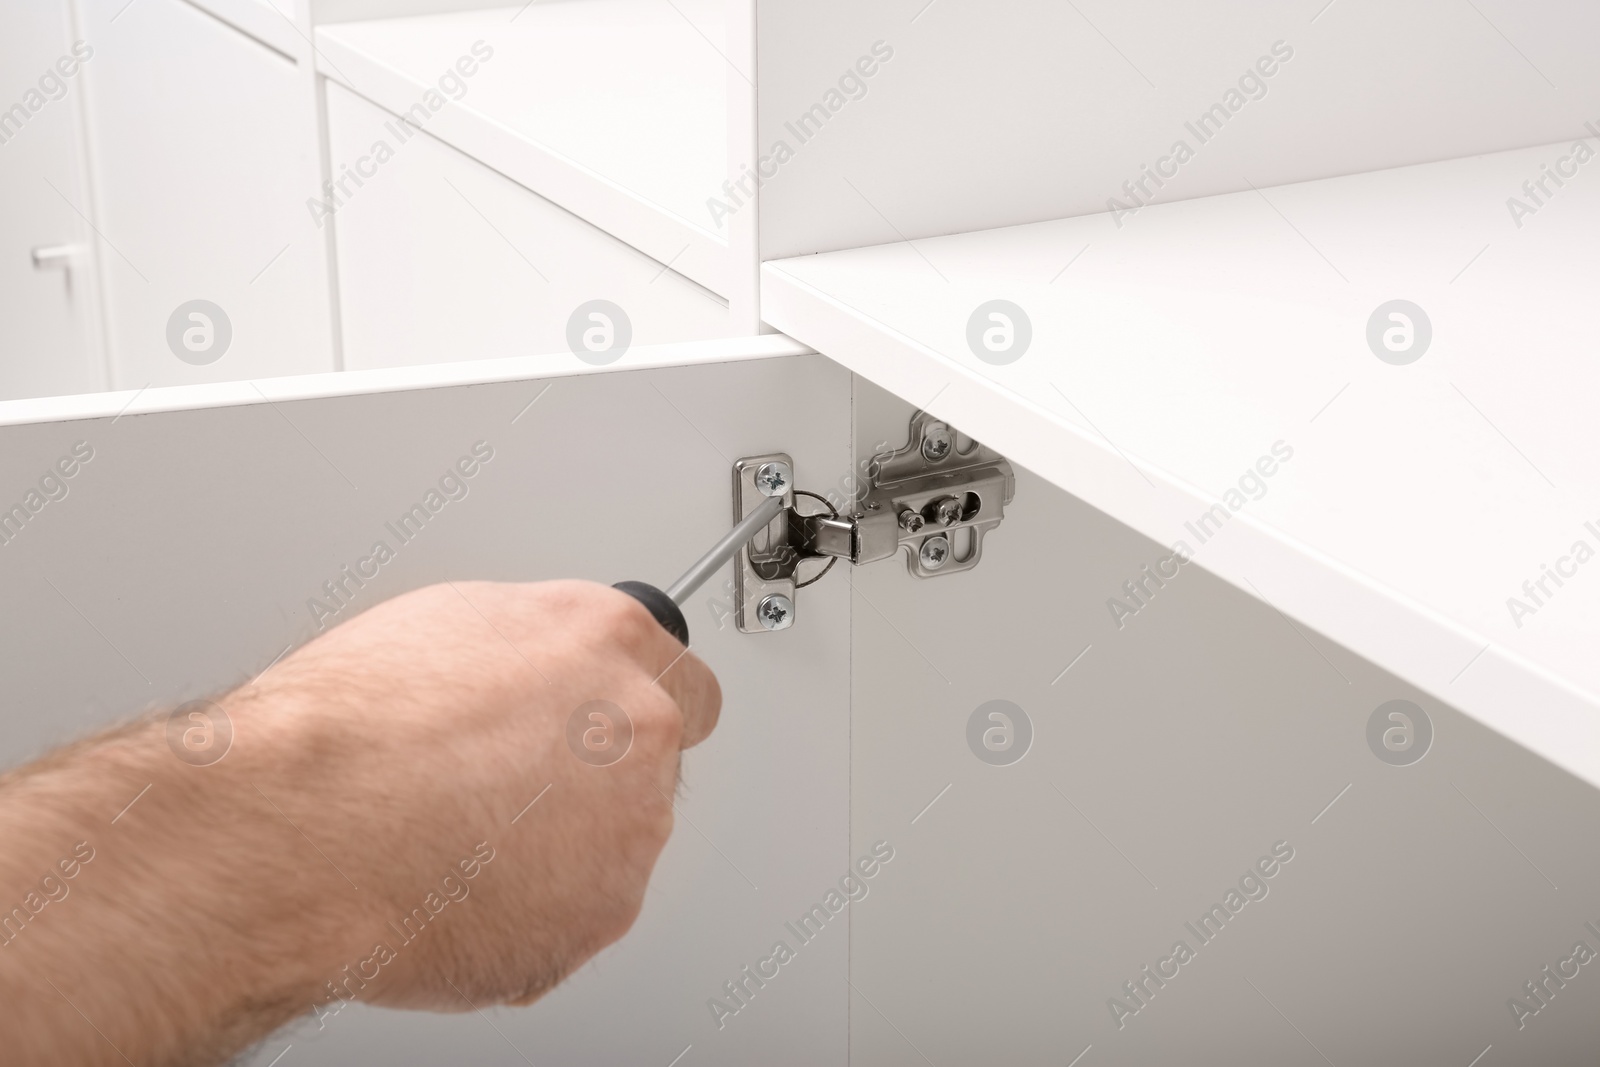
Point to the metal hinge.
(933, 498)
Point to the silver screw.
(910, 520)
(947, 511)
(776, 612)
(935, 551)
(774, 479)
(936, 441)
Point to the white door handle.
(54, 257)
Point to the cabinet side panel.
(1158, 739)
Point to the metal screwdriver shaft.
(665, 606)
(723, 550)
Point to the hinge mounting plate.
(937, 498)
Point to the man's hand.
(452, 800)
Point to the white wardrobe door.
(47, 282)
(204, 149)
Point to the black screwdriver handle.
(660, 605)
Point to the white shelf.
(614, 109)
(1175, 350)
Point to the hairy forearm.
(153, 910)
(371, 832)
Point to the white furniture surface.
(230, 505)
(272, 22)
(1165, 758)
(994, 115)
(203, 147)
(1170, 353)
(613, 109)
(70, 409)
(441, 258)
(1200, 376)
(49, 288)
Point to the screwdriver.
(666, 606)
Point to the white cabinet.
(1168, 757)
(243, 512)
(1162, 759)
(48, 287)
(440, 258)
(205, 151)
(1232, 747)
(613, 109)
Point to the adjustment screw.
(936, 442)
(910, 521)
(774, 479)
(935, 551)
(947, 511)
(776, 612)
